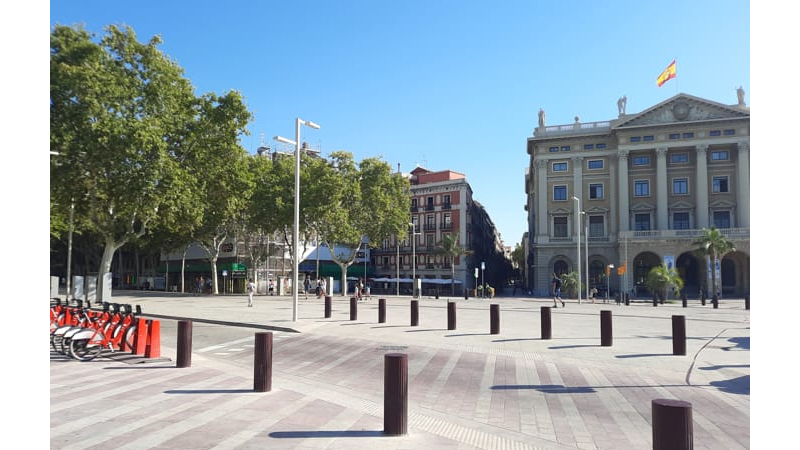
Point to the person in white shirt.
(251, 289)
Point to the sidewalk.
(467, 388)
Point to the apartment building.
(641, 187)
(442, 203)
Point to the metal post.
(494, 319)
(578, 246)
(678, 335)
(395, 394)
(353, 308)
(451, 315)
(328, 301)
(414, 313)
(547, 329)
(381, 310)
(69, 250)
(262, 367)
(672, 425)
(606, 333)
(184, 358)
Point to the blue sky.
(442, 84)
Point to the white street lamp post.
(483, 283)
(578, 247)
(608, 282)
(296, 231)
(413, 261)
(586, 247)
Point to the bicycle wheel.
(128, 339)
(85, 349)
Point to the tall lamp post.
(296, 231)
(483, 284)
(578, 247)
(413, 260)
(608, 282)
(586, 248)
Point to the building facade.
(641, 188)
(441, 203)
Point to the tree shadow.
(739, 385)
(425, 329)
(547, 388)
(212, 391)
(466, 334)
(646, 355)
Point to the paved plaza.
(467, 388)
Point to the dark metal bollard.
(451, 315)
(353, 308)
(184, 358)
(655, 299)
(606, 333)
(381, 310)
(466, 294)
(703, 298)
(328, 306)
(79, 303)
(672, 425)
(618, 299)
(627, 299)
(684, 300)
(678, 335)
(138, 309)
(494, 319)
(747, 301)
(437, 293)
(395, 394)
(106, 307)
(414, 313)
(262, 364)
(715, 301)
(547, 329)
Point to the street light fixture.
(578, 213)
(586, 249)
(296, 231)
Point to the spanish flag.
(667, 74)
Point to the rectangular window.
(680, 221)
(565, 148)
(680, 186)
(560, 227)
(560, 167)
(641, 188)
(719, 155)
(600, 146)
(559, 193)
(688, 135)
(446, 199)
(679, 158)
(674, 135)
(641, 160)
(730, 132)
(413, 203)
(596, 226)
(595, 191)
(648, 138)
(588, 146)
(595, 164)
(714, 133)
(722, 219)
(553, 149)
(641, 222)
(635, 139)
(720, 184)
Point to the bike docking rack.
(83, 333)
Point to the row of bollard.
(672, 419)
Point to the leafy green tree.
(134, 144)
(661, 279)
(450, 249)
(715, 245)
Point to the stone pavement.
(467, 388)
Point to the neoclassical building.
(641, 187)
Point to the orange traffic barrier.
(140, 337)
(153, 349)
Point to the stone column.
(624, 197)
(662, 189)
(743, 186)
(702, 187)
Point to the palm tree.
(715, 245)
(569, 283)
(661, 278)
(451, 249)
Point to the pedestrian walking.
(271, 287)
(306, 286)
(556, 287)
(594, 294)
(251, 289)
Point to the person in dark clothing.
(556, 287)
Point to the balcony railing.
(446, 206)
(414, 209)
(730, 233)
(429, 207)
(430, 227)
(446, 226)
